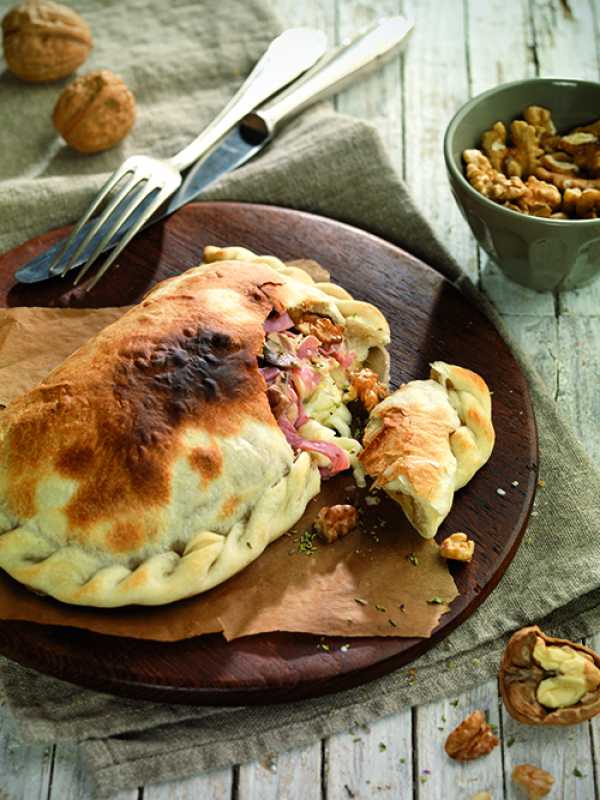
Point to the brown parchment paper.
(378, 581)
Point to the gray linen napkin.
(335, 166)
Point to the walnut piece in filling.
(366, 387)
(323, 328)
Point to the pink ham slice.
(278, 322)
(309, 347)
(339, 458)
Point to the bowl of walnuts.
(523, 161)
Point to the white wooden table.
(458, 48)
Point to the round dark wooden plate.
(429, 320)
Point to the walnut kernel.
(323, 328)
(367, 388)
(457, 547)
(541, 119)
(535, 781)
(540, 199)
(567, 181)
(471, 739)
(335, 521)
(493, 144)
(524, 156)
(559, 162)
(584, 148)
(489, 181)
(94, 112)
(44, 41)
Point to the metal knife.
(351, 60)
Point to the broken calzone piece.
(165, 454)
(549, 681)
(427, 439)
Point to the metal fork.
(147, 182)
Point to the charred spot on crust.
(192, 367)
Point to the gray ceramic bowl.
(539, 253)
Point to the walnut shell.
(94, 112)
(44, 41)
(520, 677)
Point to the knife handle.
(288, 56)
(351, 60)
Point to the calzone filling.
(311, 376)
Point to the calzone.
(427, 439)
(165, 454)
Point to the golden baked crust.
(148, 466)
(473, 441)
(427, 439)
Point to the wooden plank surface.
(295, 775)
(372, 760)
(435, 85)
(24, 769)
(69, 780)
(459, 48)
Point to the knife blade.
(333, 72)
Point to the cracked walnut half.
(549, 681)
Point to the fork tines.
(148, 182)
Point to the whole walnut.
(94, 112)
(44, 41)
